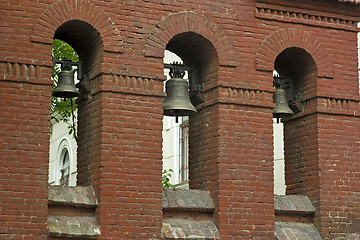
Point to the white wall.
(279, 163)
(171, 149)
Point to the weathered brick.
(235, 46)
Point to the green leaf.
(166, 179)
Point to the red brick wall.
(89, 131)
(24, 127)
(122, 45)
(302, 163)
(339, 188)
(130, 166)
(24, 159)
(24, 138)
(317, 146)
(245, 172)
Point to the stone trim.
(293, 204)
(181, 22)
(73, 227)
(77, 196)
(189, 229)
(302, 16)
(295, 230)
(279, 40)
(187, 214)
(187, 200)
(294, 217)
(66, 10)
(73, 212)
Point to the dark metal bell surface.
(66, 86)
(281, 102)
(177, 101)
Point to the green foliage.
(166, 174)
(62, 109)
(63, 51)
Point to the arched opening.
(199, 54)
(63, 124)
(196, 51)
(298, 65)
(87, 43)
(299, 68)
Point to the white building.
(62, 163)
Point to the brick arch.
(278, 41)
(182, 22)
(66, 10)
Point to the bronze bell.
(282, 108)
(177, 101)
(66, 86)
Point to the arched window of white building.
(64, 167)
(63, 170)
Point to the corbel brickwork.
(336, 106)
(238, 96)
(302, 16)
(24, 72)
(128, 84)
